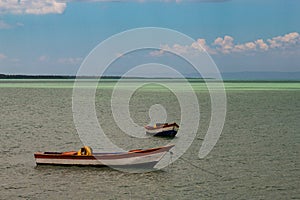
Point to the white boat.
(85, 157)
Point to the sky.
(54, 36)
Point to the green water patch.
(263, 86)
(153, 84)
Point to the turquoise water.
(110, 84)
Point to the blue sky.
(54, 36)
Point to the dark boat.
(162, 129)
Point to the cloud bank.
(36, 7)
(226, 45)
(42, 7)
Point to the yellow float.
(85, 151)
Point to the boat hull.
(137, 158)
(168, 131)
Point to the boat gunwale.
(162, 126)
(103, 156)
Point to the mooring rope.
(205, 170)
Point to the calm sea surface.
(256, 157)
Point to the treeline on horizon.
(191, 79)
(12, 76)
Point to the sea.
(256, 157)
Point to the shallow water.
(257, 155)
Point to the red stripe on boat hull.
(138, 157)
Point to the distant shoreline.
(6, 76)
(70, 77)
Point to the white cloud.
(35, 7)
(279, 42)
(261, 45)
(226, 45)
(142, 1)
(176, 48)
(249, 46)
(40, 7)
(201, 45)
(157, 53)
(285, 41)
(179, 49)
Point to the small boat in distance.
(138, 158)
(162, 129)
